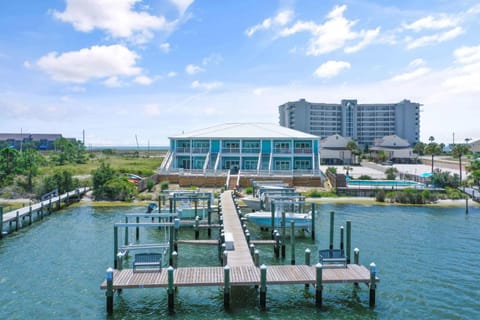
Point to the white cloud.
(77, 89)
(411, 75)
(118, 18)
(417, 63)
(171, 74)
(206, 85)
(214, 58)
(193, 69)
(89, 63)
(259, 91)
(165, 47)
(281, 19)
(182, 5)
(331, 68)
(367, 37)
(333, 34)
(430, 22)
(152, 110)
(113, 82)
(466, 76)
(27, 64)
(434, 39)
(143, 80)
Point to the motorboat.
(264, 219)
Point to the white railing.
(207, 160)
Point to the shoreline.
(372, 201)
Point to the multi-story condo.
(362, 122)
(259, 148)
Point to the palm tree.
(353, 147)
(432, 148)
(458, 151)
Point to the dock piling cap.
(373, 268)
(263, 267)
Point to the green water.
(427, 258)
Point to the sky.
(146, 70)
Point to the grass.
(124, 164)
(10, 206)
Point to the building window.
(282, 164)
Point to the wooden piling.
(256, 258)
(170, 290)
(197, 224)
(276, 248)
(341, 238)
(226, 287)
(225, 258)
(17, 220)
(119, 261)
(175, 259)
(209, 217)
(263, 287)
(125, 242)
(115, 246)
(373, 274)
(170, 244)
(308, 254)
(109, 292)
(332, 218)
(356, 256)
(318, 285)
(137, 229)
(292, 241)
(272, 209)
(349, 241)
(313, 221)
(30, 216)
(284, 236)
(466, 205)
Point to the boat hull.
(264, 219)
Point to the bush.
(248, 190)
(163, 185)
(380, 195)
(318, 194)
(364, 177)
(331, 170)
(119, 188)
(150, 184)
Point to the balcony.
(200, 150)
(230, 150)
(282, 150)
(303, 150)
(183, 150)
(251, 150)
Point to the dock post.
(170, 290)
(341, 238)
(466, 204)
(332, 220)
(170, 205)
(49, 206)
(175, 259)
(272, 209)
(225, 258)
(222, 250)
(197, 229)
(318, 286)
(263, 287)
(226, 287)
(313, 221)
(373, 274)
(292, 241)
(119, 261)
(308, 254)
(349, 241)
(17, 220)
(252, 249)
(1, 222)
(41, 210)
(125, 242)
(247, 236)
(256, 256)
(284, 236)
(67, 199)
(276, 248)
(356, 256)
(176, 223)
(109, 293)
(171, 232)
(30, 216)
(209, 218)
(137, 229)
(115, 246)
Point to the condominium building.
(362, 122)
(259, 148)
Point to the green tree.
(474, 170)
(419, 148)
(443, 179)
(8, 165)
(119, 188)
(29, 162)
(353, 147)
(458, 151)
(100, 177)
(62, 180)
(391, 173)
(432, 148)
(381, 156)
(68, 151)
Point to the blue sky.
(155, 68)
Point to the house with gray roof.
(334, 151)
(396, 149)
(43, 141)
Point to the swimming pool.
(385, 183)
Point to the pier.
(41, 209)
(240, 268)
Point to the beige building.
(334, 151)
(397, 150)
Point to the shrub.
(364, 177)
(248, 190)
(150, 184)
(119, 188)
(331, 170)
(380, 195)
(163, 185)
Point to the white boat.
(252, 203)
(264, 219)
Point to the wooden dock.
(42, 208)
(240, 269)
(239, 276)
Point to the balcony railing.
(282, 150)
(231, 150)
(302, 150)
(251, 150)
(200, 150)
(183, 150)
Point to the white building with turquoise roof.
(251, 148)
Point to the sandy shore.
(372, 201)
